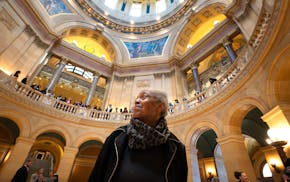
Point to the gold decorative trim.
(135, 29)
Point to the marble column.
(66, 163)
(196, 77)
(227, 43)
(17, 157)
(92, 90)
(56, 75)
(220, 165)
(194, 164)
(236, 156)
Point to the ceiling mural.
(146, 49)
(54, 7)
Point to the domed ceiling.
(136, 16)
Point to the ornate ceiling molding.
(134, 28)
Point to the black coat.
(20, 175)
(114, 146)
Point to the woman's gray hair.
(162, 97)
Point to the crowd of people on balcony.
(174, 107)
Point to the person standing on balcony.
(145, 149)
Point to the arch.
(205, 12)
(86, 137)
(278, 79)
(237, 111)
(196, 130)
(21, 120)
(104, 41)
(61, 130)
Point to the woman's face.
(147, 108)
(244, 177)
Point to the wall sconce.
(277, 170)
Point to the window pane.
(69, 67)
(123, 6)
(79, 70)
(88, 75)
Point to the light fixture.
(279, 137)
(210, 172)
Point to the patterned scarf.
(143, 136)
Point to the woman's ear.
(161, 109)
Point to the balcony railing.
(10, 85)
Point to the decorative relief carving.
(141, 84)
(7, 20)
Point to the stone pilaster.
(18, 155)
(66, 163)
(236, 156)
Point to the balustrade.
(11, 85)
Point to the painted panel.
(146, 49)
(54, 7)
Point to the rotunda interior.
(224, 65)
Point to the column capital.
(64, 60)
(97, 74)
(230, 138)
(22, 139)
(71, 149)
(226, 41)
(194, 65)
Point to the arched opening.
(47, 152)
(254, 130)
(206, 145)
(85, 160)
(9, 131)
